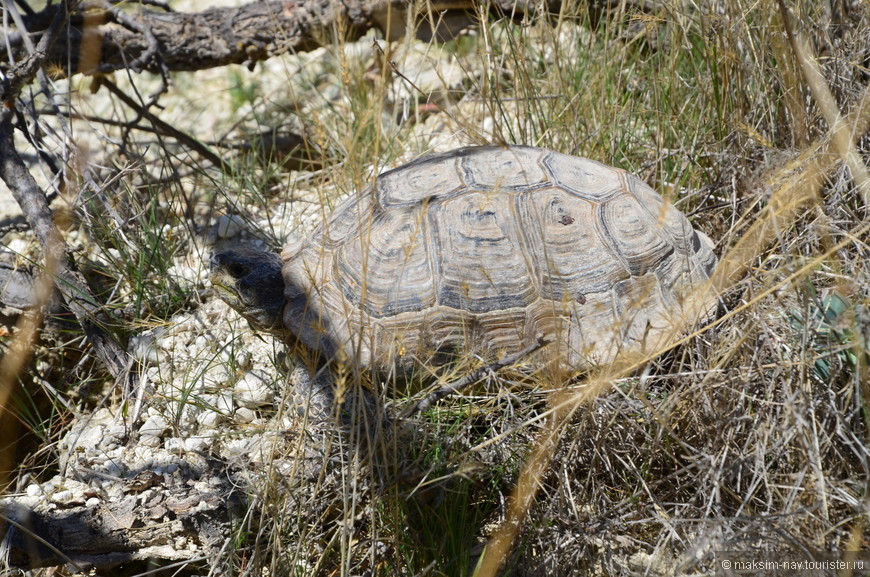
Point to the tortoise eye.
(237, 270)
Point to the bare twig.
(166, 129)
(472, 377)
(34, 205)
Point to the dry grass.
(751, 433)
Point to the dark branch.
(102, 39)
(34, 206)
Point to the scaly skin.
(250, 281)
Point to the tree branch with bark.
(102, 38)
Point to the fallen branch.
(102, 39)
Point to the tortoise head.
(250, 281)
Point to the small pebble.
(189, 274)
(150, 441)
(143, 456)
(143, 348)
(215, 378)
(197, 444)
(62, 496)
(245, 415)
(114, 465)
(228, 226)
(242, 358)
(224, 404)
(174, 444)
(209, 418)
(154, 426)
(254, 390)
(18, 245)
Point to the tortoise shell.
(481, 250)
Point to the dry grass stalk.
(798, 187)
(13, 362)
(843, 145)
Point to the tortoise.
(478, 251)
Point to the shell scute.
(565, 244)
(512, 168)
(480, 258)
(386, 269)
(585, 178)
(665, 214)
(642, 311)
(635, 234)
(430, 177)
(351, 216)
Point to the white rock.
(187, 421)
(117, 429)
(174, 444)
(33, 490)
(215, 377)
(224, 404)
(143, 456)
(254, 390)
(154, 426)
(18, 245)
(245, 415)
(92, 502)
(64, 496)
(209, 418)
(113, 465)
(235, 448)
(241, 357)
(114, 492)
(88, 438)
(228, 226)
(144, 348)
(197, 444)
(189, 274)
(152, 441)
(153, 374)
